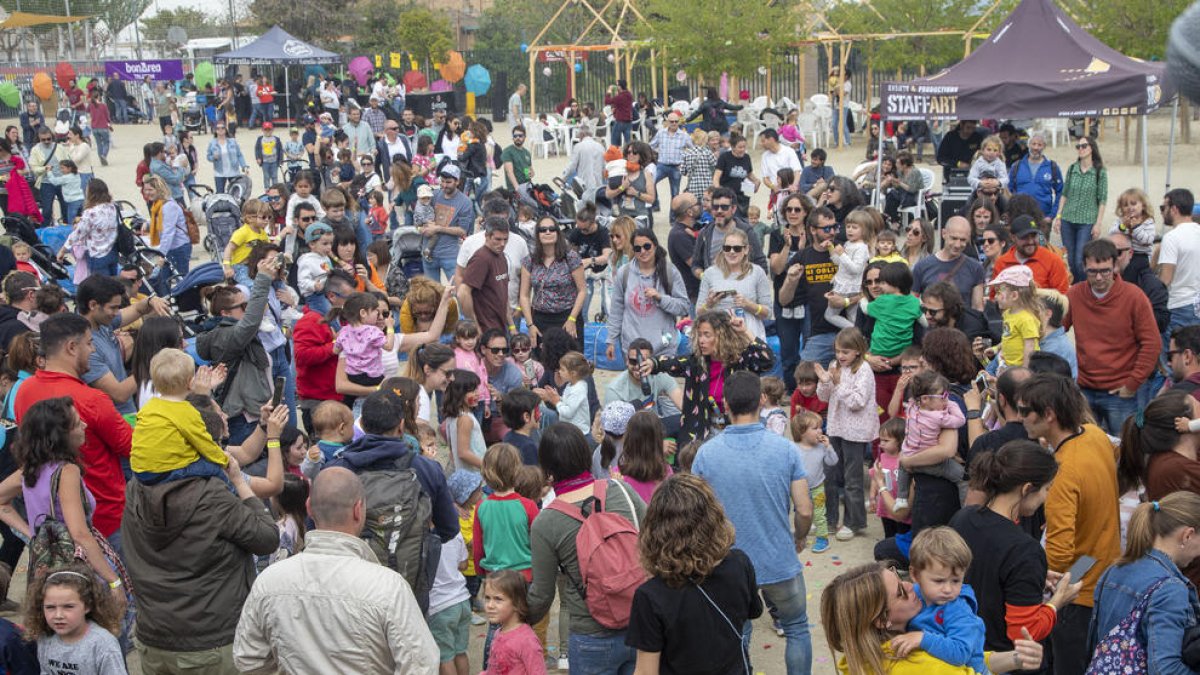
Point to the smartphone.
(278, 395)
(981, 382)
(1081, 567)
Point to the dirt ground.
(767, 649)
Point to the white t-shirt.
(515, 251)
(425, 409)
(785, 157)
(398, 147)
(449, 585)
(1181, 248)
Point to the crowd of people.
(388, 427)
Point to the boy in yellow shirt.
(170, 441)
(256, 216)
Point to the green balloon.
(10, 95)
(82, 82)
(204, 74)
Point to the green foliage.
(117, 14)
(427, 35)
(731, 36)
(1136, 28)
(319, 22)
(194, 20)
(377, 28)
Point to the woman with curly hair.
(723, 344)
(687, 618)
(421, 305)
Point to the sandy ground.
(767, 650)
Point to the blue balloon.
(579, 67)
(524, 47)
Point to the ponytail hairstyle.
(432, 355)
(454, 403)
(576, 364)
(1151, 520)
(1015, 464)
(1149, 432)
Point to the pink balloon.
(360, 67)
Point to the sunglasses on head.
(638, 248)
(733, 248)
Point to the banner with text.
(137, 70)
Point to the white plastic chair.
(859, 114)
(760, 103)
(819, 100)
(1055, 126)
(909, 212)
(751, 124)
(538, 139)
(824, 115)
(785, 105)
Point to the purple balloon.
(360, 67)
(441, 85)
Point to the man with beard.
(1179, 257)
(1049, 270)
(518, 164)
(681, 240)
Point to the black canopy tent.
(277, 48)
(1037, 64)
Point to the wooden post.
(532, 86)
(841, 92)
(1125, 119)
(654, 75)
(803, 62)
(870, 74)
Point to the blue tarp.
(277, 47)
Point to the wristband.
(115, 583)
(974, 414)
(571, 319)
(512, 328)
(272, 442)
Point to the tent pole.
(287, 96)
(1171, 144)
(1145, 156)
(876, 200)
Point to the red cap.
(267, 125)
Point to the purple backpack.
(1120, 651)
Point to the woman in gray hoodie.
(648, 296)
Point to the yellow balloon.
(43, 86)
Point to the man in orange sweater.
(1116, 338)
(1081, 507)
(1049, 270)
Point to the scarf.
(156, 222)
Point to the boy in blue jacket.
(948, 627)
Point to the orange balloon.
(454, 68)
(43, 86)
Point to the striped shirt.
(1085, 193)
(699, 164)
(670, 146)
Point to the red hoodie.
(316, 364)
(20, 196)
(1116, 338)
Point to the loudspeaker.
(499, 96)
(424, 104)
(678, 94)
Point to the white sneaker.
(845, 534)
(477, 620)
(563, 664)
(899, 504)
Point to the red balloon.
(414, 80)
(64, 73)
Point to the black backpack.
(397, 527)
(126, 241)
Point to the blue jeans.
(791, 337)
(791, 609)
(817, 348)
(621, 133)
(601, 654)
(398, 105)
(240, 429)
(482, 185)
(1183, 316)
(120, 110)
(839, 127)
(46, 196)
(270, 173)
(1075, 236)
(256, 113)
(103, 141)
(362, 233)
(73, 209)
(1111, 410)
(281, 366)
(671, 173)
(318, 303)
(587, 300)
(441, 265)
(105, 264)
(180, 258)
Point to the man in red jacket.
(1049, 270)
(67, 344)
(312, 338)
(1116, 339)
(621, 100)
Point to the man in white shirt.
(516, 110)
(337, 572)
(1179, 257)
(586, 164)
(777, 156)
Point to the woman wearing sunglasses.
(733, 284)
(552, 284)
(784, 248)
(1081, 205)
(648, 295)
(918, 241)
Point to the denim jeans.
(398, 105)
(221, 181)
(240, 429)
(482, 185)
(587, 299)
(180, 258)
(256, 113)
(72, 212)
(318, 303)
(270, 174)
(103, 141)
(671, 173)
(362, 233)
(791, 338)
(1074, 237)
(1183, 316)
(1111, 410)
(791, 610)
(120, 110)
(818, 348)
(105, 264)
(441, 265)
(601, 654)
(621, 132)
(47, 194)
(281, 366)
(839, 126)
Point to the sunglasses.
(423, 316)
(516, 136)
(544, 230)
(309, 219)
(793, 209)
(520, 350)
(722, 207)
(241, 306)
(990, 240)
(391, 128)
(642, 247)
(733, 249)
(672, 121)
(497, 350)
(916, 232)
(1082, 146)
(931, 311)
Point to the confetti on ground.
(766, 646)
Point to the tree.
(1136, 29)
(194, 20)
(316, 21)
(119, 14)
(377, 30)
(732, 36)
(425, 34)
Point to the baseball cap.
(424, 191)
(987, 173)
(451, 171)
(315, 231)
(306, 118)
(294, 130)
(1019, 276)
(1022, 225)
(267, 126)
(614, 419)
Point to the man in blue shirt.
(1038, 176)
(758, 476)
(447, 233)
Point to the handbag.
(193, 228)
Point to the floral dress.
(700, 409)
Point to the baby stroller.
(192, 115)
(186, 299)
(239, 188)
(21, 228)
(543, 200)
(149, 260)
(223, 215)
(63, 119)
